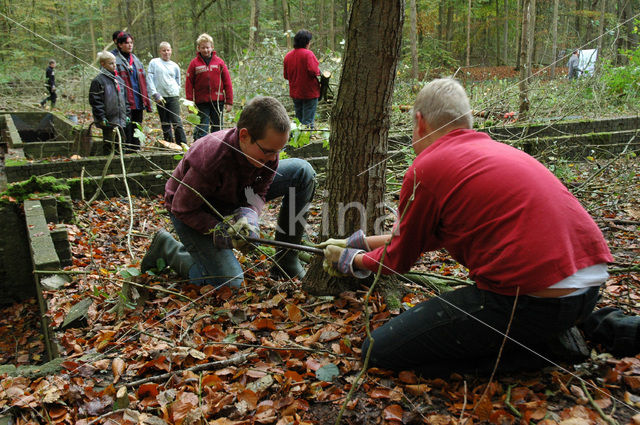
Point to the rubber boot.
(173, 252)
(286, 262)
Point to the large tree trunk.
(414, 43)
(524, 56)
(554, 36)
(359, 129)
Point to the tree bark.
(497, 33)
(505, 35)
(359, 124)
(255, 23)
(531, 54)
(413, 13)
(520, 36)
(603, 6)
(468, 32)
(554, 36)
(332, 25)
(524, 70)
(285, 23)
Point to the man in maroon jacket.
(301, 69)
(535, 254)
(219, 189)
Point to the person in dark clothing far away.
(50, 84)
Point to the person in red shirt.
(301, 70)
(535, 254)
(208, 84)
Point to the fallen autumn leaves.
(271, 354)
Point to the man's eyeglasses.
(267, 152)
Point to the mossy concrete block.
(15, 141)
(77, 314)
(43, 252)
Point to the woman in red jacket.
(208, 84)
(302, 70)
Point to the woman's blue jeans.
(219, 267)
(211, 118)
(462, 331)
(306, 110)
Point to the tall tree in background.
(505, 34)
(286, 23)
(468, 33)
(554, 36)
(413, 36)
(525, 58)
(255, 24)
(360, 126)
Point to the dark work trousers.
(170, 119)
(52, 97)
(133, 143)
(462, 331)
(211, 115)
(110, 139)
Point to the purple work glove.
(246, 225)
(358, 240)
(339, 262)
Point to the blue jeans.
(211, 116)
(294, 179)
(445, 334)
(305, 110)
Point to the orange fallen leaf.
(117, 367)
(393, 413)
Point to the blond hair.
(204, 38)
(104, 56)
(164, 44)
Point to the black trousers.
(462, 331)
(52, 97)
(170, 120)
(110, 139)
(133, 143)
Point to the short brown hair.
(262, 112)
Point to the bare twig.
(610, 420)
(241, 358)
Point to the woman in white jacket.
(164, 85)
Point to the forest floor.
(270, 353)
